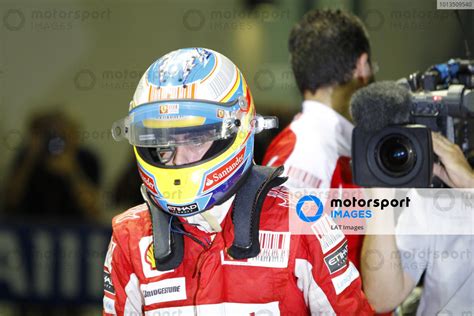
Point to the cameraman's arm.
(455, 171)
(387, 272)
(385, 283)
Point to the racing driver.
(212, 237)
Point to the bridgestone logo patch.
(166, 290)
(163, 290)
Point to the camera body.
(402, 155)
(441, 76)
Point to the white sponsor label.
(164, 291)
(267, 309)
(341, 282)
(147, 258)
(109, 305)
(274, 251)
(108, 257)
(328, 238)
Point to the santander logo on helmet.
(224, 172)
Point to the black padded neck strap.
(168, 246)
(247, 207)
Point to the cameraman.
(401, 260)
(330, 59)
(53, 177)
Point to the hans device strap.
(168, 246)
(247, 207)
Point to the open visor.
(184, 122)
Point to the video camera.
(398, 151)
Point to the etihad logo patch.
(274, 251)
(167, 290)
(224, 172)
(148, 258)
(337, 259)
(108, 285)
(183, 209)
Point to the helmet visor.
(178, 122)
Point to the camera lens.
(396, 155)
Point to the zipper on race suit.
(197, 272)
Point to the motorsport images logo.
(309, 208)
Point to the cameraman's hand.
(454, 169)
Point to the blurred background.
(68, 69)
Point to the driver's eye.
(197, 143)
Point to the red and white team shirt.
(292, 275)
(315, 150)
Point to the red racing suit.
(292, 275)
(315, 150)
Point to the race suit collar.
(326, 120)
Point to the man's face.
(187, 154)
